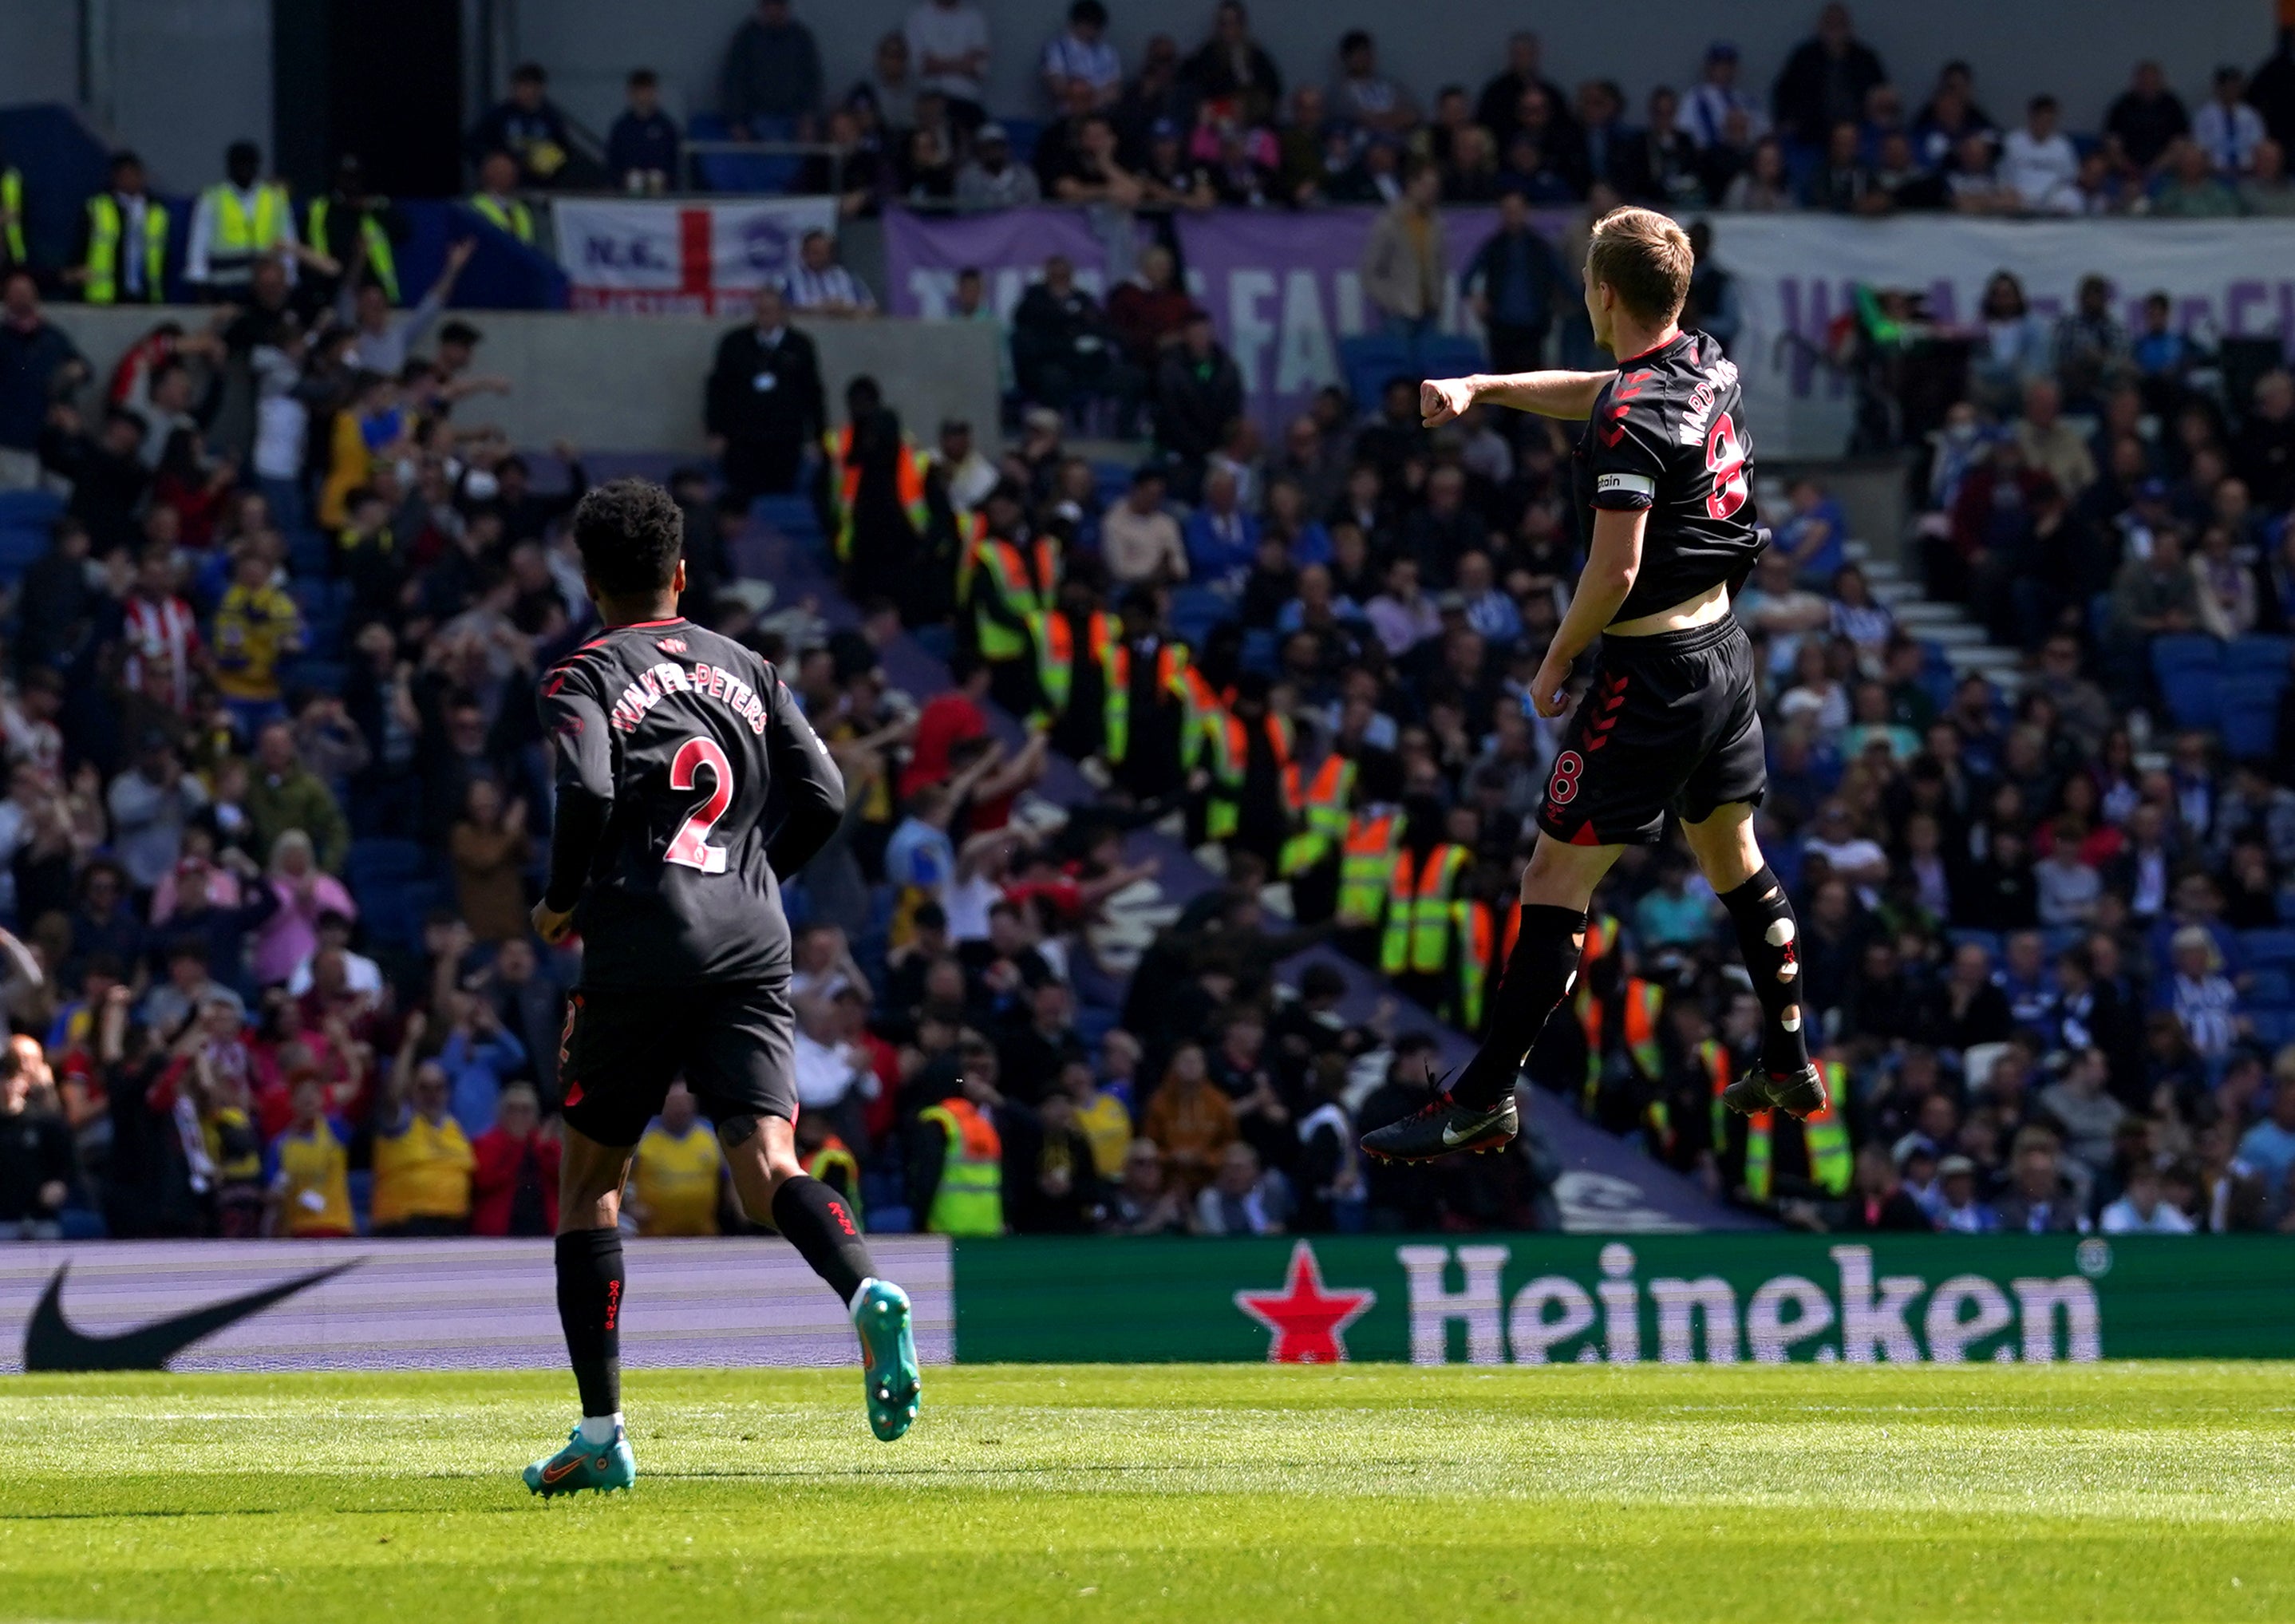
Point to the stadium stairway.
(1605, 1186)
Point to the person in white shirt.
(2039, 163)
(2140, 1210)
(1706, 110)
(1082, 55)
(2225, 127)
(948, 40)
(819, 286)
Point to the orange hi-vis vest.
(1014, 582)
(1230, 741)
(1319, 802)
(1642, 1002)
(908, 481)
(1488, 932)
(1714, 1055)
(1205, 723)
(1825, 1135)
(1372, 840)
(1418, 917)
(1056, 648)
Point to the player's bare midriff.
(1702, 610)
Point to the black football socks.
(1538, 975)
(816, 1221)
(1768, 937)
(590, 1307)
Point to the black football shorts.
(733, 1042)
(1670, 724)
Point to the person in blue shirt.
(1511, 283)
(641, 148)
(1221, 538)
(479, 1056)
(2268, 1148)
(1814, 533)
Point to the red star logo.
(1306, 1320)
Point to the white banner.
(433, 1305)
(680, 258)
(1796, 274)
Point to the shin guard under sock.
(1768, 937)
(590, 1308)
(1538, 975)
(815, 1219)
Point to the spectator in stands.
(1082, 54)
(123, 241)
(771, 85)
(2226, 597)
(764, 402)
(528, 125)
(2225, 127)
(990, 179)
(1706, 110)
(948, 41)
(889, 86)
(514, 1185)
(1198, 393)
(1064, 350)
(1223, 539)
(1365, 98)
(1232, 66)
(2038, 163)
(496, 200)
(35, 360)
(641, 148)
(422, 1161)
(1825, 81)
(1765, 186)
(1140, 541)
(1512, 283)
(1406, 260)
(819, 285)
(2265, 189)
(2144, 122)
(2190, 188)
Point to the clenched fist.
(1441, 399)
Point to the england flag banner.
(654, 258)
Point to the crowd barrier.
(1485, 1300)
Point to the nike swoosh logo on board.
(51, 1343)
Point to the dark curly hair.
(631, 532)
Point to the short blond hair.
(1644, 259)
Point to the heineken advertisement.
(1547, 1299)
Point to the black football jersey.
(1668, 433)
(704, 756)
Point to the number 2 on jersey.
(1725, 459)
(690, 846)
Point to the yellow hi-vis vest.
(845, 490)
(380, 263)
(1485, 943)
(1230, 743)
(1020, 581)
(1713, 1054)
(239, 236)
(1825, 1135)
(512, 217)
(1057, 648)
(1173, 677)
(1365, 865)
(970, 1199)
(1419, 912)
(1320, 803)
(835, 1156)
(106, 223)
(11, 199)
(1200, 729)
(971, 535)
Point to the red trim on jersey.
(643, 625)
(1679, 334)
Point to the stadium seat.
(1446, 356)
(2256, 654)
(2273, 947)
(2274, 1027)
(1259, 651)
(1988, 940)
(2247, 711)
(795, 517)
(1367, 360)
(30, 509)
(19, 546)
(2270, 989)
(382, 860)
(1196, 610)
(742, 171)
(2191, 696)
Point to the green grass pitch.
(1754, 1495)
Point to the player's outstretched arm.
(1563, 394)
(812, 787)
